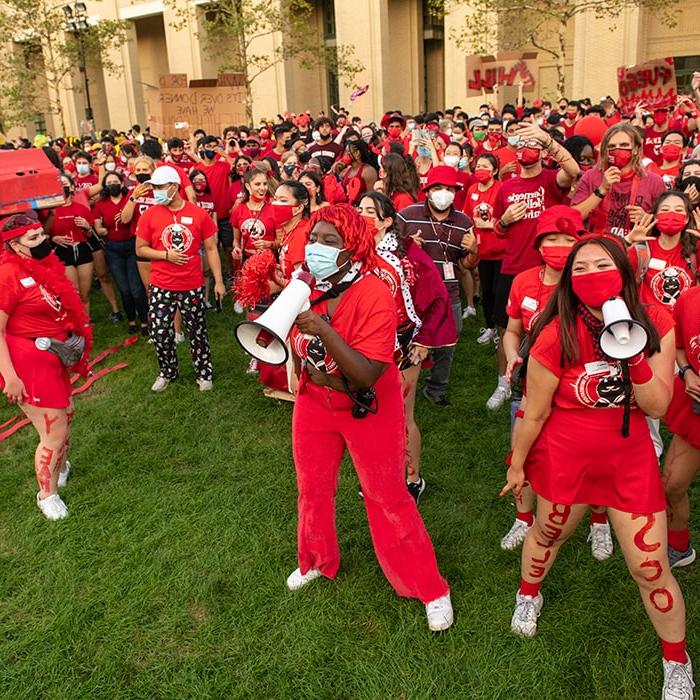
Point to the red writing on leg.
(661, 599)
(643, 546)
(552, 532)
(43, 470)
(48, 422)
(654, 564)
(560, 514)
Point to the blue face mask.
(161, 196)
(463, 163)
(513, 140)
(322, 260)
(424, 151)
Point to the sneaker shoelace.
(679, 682)
(601, 538)
(527, 609)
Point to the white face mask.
(315, 135)
(442, 199)
(452, 161)
(110, 167)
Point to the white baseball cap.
(164, 175)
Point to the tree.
(541, 24)
(42, 57)
(231, 28)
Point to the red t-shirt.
(235, 191)
(183, 230)
(687, 318)
(505, 155)
(466, 180)
(64, 221)
(538, 193)
(85, 182)
(667, 277)
(141, 204)
(401, 200)
(422, 182)
(33, 311)
(185, 163)
(365, 318)
(479, 205)
(206, 201)
(590, 382)
(611, 215)
(668, 175)
(528, 296)
(106, 210)
(253, 225)
(217, 174)
(293, 248)
(652, 144)
(390, 276)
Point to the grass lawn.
(167, 580)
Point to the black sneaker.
(416, 488)
(677, 559)
(442, 401)
(116, 317)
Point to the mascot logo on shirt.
(694, 347)
(387, 278)
(601, 390)
(254, 228)
(669, 284)
(177, 236)
(53, 301)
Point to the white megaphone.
(265, 337)
(622, 336)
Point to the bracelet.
(166, 254)
(682, 371)
(131, 199)
(598, 193)
(502, 224)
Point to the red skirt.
(680, 418)
(580, 457)
(45, 378)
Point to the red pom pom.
(251, 285)
(592, 126)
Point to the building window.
(685, 67)
(40, 123)
(328, 19)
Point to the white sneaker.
(160, 384)
(52, 507)
(678, 681)
(252, 366)
(297, 580)
(63, 476)
(237, 308)
(468, 312)
(527, 610)
(515, 536)
(487, 335)
(499, 397)
(205, 384)
(440, 614)
(601, 541)
(179, 338)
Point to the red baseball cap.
(559, 219)
(392, 117)
(443, 175)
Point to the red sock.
(527, 588)
(679, 539)
(674, 651)
(599, 518)
(527, 517)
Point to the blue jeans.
(121, 259)
(436, 383)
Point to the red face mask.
(595, 288)
(346, 159)
(571, 115)
(394, 131)
(371, 224)
(660, 118)
(493, 138)
(671, 152)
(282, 213)
(671, 222)
(529, 156)
(199, 186)
(483, 175)
(555, 255)
(619, 157)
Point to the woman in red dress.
(683, 420)
(350, 397)
(583, 439)
(38, 302)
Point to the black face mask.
(287, 144)
(686, 182)
(41, 251)
(67, 192)
(114, 189)
(289, 169)
(209, 155)
(142, 177)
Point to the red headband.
(13, 233)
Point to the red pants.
(321, 430)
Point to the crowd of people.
(540, 213)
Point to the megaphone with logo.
(622, 336)
(265, 338)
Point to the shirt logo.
(254, 228)
(177, 237)
(669, 284)
(601, 391)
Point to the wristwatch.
(598, 193)
(682, 371)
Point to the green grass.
(167, 580)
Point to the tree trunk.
(561, 61)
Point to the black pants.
(489, 271)
(503, 286)
(161, 313)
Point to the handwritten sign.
(503, 70)
(652, 83)
(211, 108)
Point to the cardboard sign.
(28, 180)
(210, 104)
(505, 70)
(652, 83)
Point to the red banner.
(504, 70)
(652, 83)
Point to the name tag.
(475, 196)
(529, 303)
(186, 219)
(448, 271)
(656, 264)
(593, 369)
(27, 282)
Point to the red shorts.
(581, 457)
(45, 378)
(680, 418)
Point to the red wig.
(358, 239)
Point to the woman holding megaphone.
(349, 396)
(583, 439)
